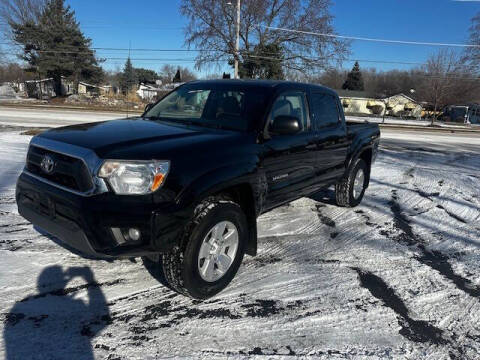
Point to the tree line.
(53, 45)
(446, 78)
(130, 77)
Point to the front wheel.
(214, 246)
(349, 190)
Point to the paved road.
(52, 117)
(49, 117)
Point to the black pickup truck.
(182, 185)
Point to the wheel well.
(366, 156)
(242, 194)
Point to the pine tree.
(145, 76)
(129, 77)
(178, 77)
(354, 79)
(56, 47)
(264, 62)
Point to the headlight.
(134, 177)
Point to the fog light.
(124, 236)
(134, 234)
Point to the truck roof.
(246, 83)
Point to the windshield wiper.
(191, 122)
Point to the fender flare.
(217, 180)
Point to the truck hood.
(134, 137)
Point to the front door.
(290, 160)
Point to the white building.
(400, 105)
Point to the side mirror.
(285, 125)
(148, 107)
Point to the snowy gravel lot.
(398, 277)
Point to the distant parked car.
(465, 114)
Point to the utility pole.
(237, 40)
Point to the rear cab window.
(325, 112)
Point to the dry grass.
(33, 132)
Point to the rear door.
(290, 161)
(330, 127)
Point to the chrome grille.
(69, 172)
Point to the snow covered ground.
(51, 117)
(396, 121)
(397, 277)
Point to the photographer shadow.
(54, 324)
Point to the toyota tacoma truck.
(182, 185)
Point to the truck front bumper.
(90, 225)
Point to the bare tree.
(445, 78)
(472, 55)
(211, 27)
(19, 12)
(187, 74)
(332, 78)
(168, 71)
(13, 73)
(3, 59)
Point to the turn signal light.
(157, 181)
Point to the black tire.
(344, 188)
(180, 266)
(154, 266)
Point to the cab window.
(325, 110)
(290, 104)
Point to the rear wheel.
(349, 190)
(213, 249)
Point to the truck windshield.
(205, 107)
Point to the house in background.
(45, 88)
(148, 92)
(94, 90)
(361, 104)
(40, 89)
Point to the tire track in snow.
(414, 330)
(431, 258)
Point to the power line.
(170, 60)
(244, 54)
(416, 74)
(317, 59)
(192, 60)
(133, 49)
(359, 38)
(404, 42)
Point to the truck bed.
(362, 129)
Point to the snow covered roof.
(95, 86)
(39, 81)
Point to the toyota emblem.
(47, 164)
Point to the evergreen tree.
(129, 77)
(55, 46)
(354, 79)
(177, 78)
(264, 62)
(145, 76)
